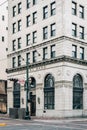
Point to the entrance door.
(33, 105)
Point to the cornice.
(47, 62)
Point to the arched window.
(16, 95)
(49, 92)
(77, 92)
(32, 82)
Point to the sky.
(1, 1)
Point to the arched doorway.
(16, 95)
(77, 92)
(49, 92)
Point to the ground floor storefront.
(56, 89)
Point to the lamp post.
(27, 114)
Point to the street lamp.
(27, 86)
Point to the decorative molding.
(47, 62)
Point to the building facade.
(3, 55)
(52, 36)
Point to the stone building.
(3, 54)
(52, 36)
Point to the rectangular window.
(74, 29)
(53, 8)
(34, 36)
(3, 17)
(28, 57)
(74, 51)
(81, 53)
(19, 25)
(19, 43)
(3, 38)
(81, 11)
(14, 45)
(49, 99)
(28, 39)
(19, 8)
(81, 32)
(34, 17)
(28, 22)
(28, 4)
(45, 12)
(45, 32)
(34, 56)
(13, 62)
(19, 60)
(74, 8)
(14, 11)
(34, 2)
(45, 53)
(53, 51)
(14, 27)
(53, 29)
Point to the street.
(35, 124)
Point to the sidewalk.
(45, 119)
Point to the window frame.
(74, 51)
(53, 30)
(45, 12)
(74, 8)
(45, 32)
(19, 7)
(53, 9)
(53, 52)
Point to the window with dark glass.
(28, 57)
(28, 40)
(28, 2)
(74, 29)
(28, 21)
(81, 32)
(81, 53)
(16, 95)
(3, 17)
(19, 43)
(45, 53)
(19, 8)
(34, 2)
(74, 8)
(81, 11)
(77, 92)
(3, 38)
(34, 17)
(45, 12)
(53, 51)
(34, 56)
(13, 62)
(14, 45)
(53, 29)
(34, 36)
(14, 28)
(74, 51)
(19, 60)
(45, 32)
(19, 25)
(53, 8)
(14, 11)
(49, 92)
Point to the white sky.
(1, 1)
